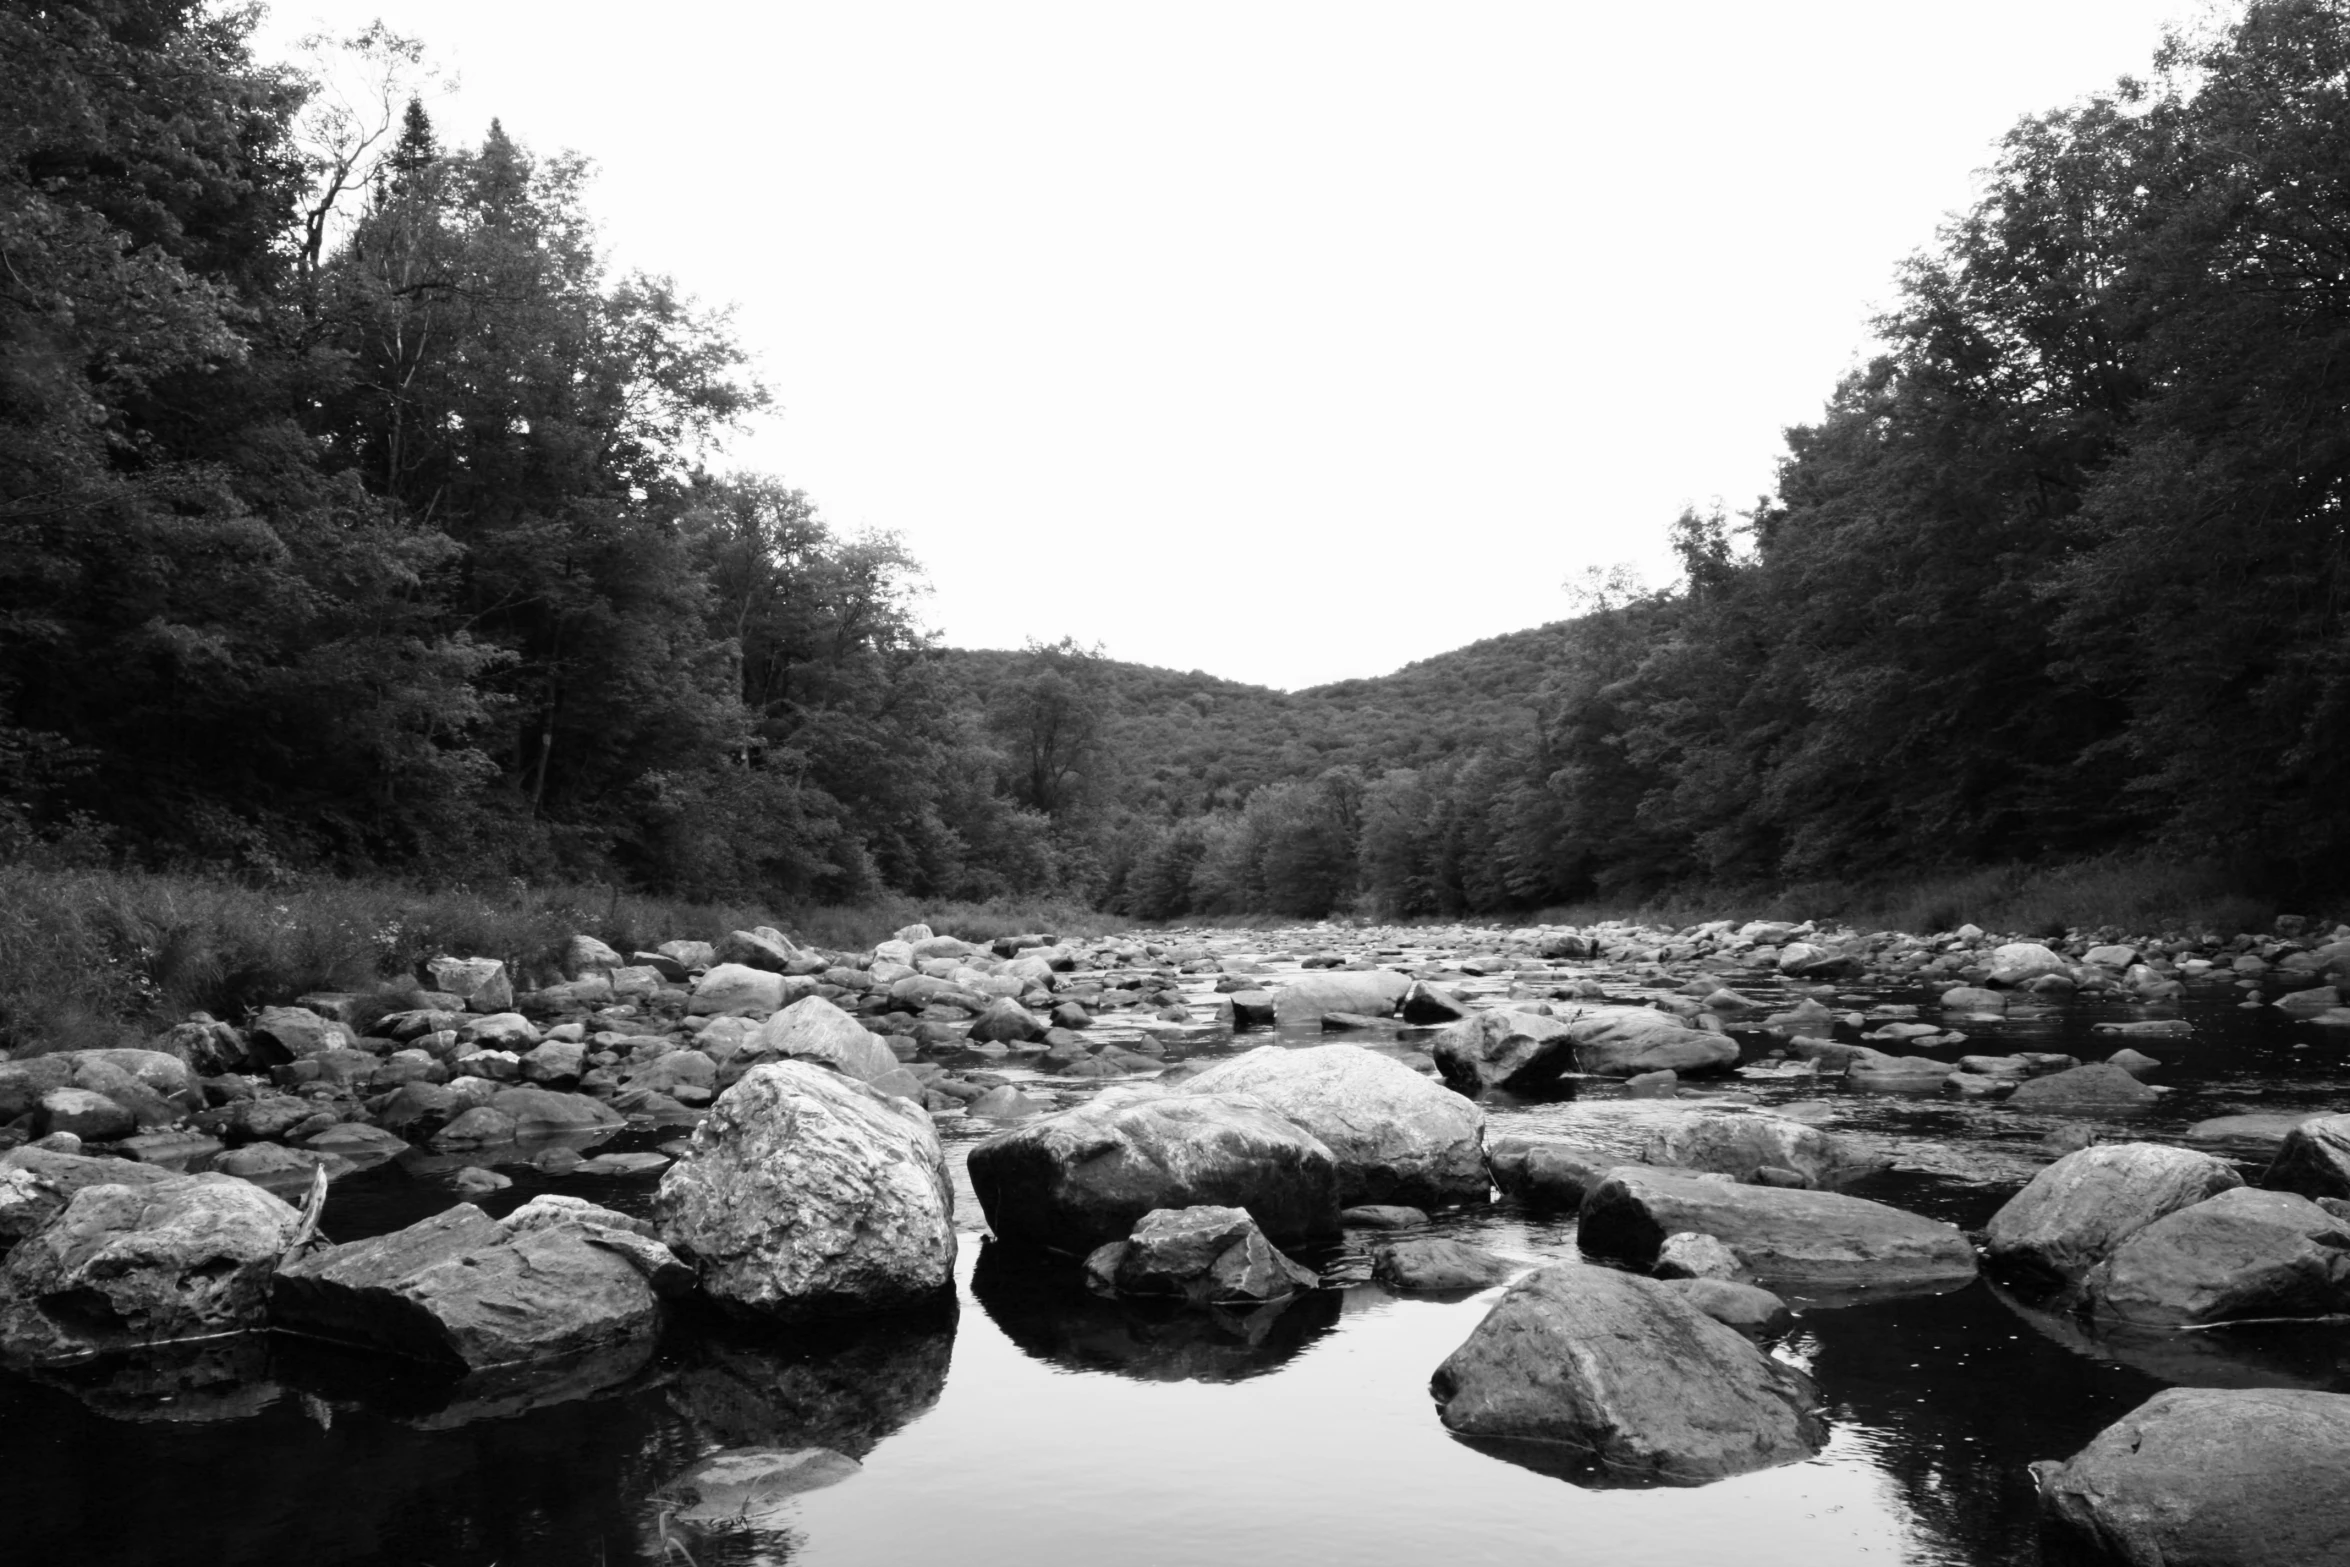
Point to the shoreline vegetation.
(99, 957)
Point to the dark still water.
(1038, 1425)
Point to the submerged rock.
(1077, 1180)
(808, 1192)
(125, 1267)
(1397, 1137)
(2075, 1212)
(1628, 1376)
(1824, 1240)
(1431, 1264)
(2205, 1477)
(2102, 1089)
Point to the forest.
(356, 520)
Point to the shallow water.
(1037, 1425)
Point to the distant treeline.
(352, 518)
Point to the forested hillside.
(353, 517)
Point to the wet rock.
(1740, 1145)
(1884, 1074)
(2099, 1089)
(1823, 1241)
(1382, 1216)
(556, 1278)
(1749, 1308)
(416, 1111)
(1543, 1174)
(1303, 998)
(1396, 1136)
(36, 1183)
(1080, 1179)
(2074, 1213)
(356, 1141)
(2206, 1477)
(1204, 1255)
(1429, 1264)
(750, 1487)
(1630, 1041)
(543, 1112)
(1653, 1085)
(1426, 1003)
(2314, 1159)
(1628, 1376)
(479, 1127)
(122, 1267)
(474, 1181)
(1503, 1049)
(811, 1193)
(2259, 1135)
(2135, 1062)
(1007, 1103)
(1007, 1022)
(2242, 1255)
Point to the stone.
(1006, 1103)
(474, 1181)
(2101, 1088)
(2314, 1159)
(765, 948)
(542, 1112)
(1381, 1216)
(1430, 1264)
(808, 1192)
(2242, 1255)
(732, 988)
(751, 1487)
(1075, 1181)
(1629, 1041)
(813, 1030)
(2020, 962)
(356, 1140)
(132, 1266)
(2209, 1477)
(1627, 1375)
(91, 1117)
(2135, 1062)
(1973, 999)
(1007, 1022)
(1822, 1240)
(1397, 1137)
(1303, 998)
(1749, 1308)
(2074, 1213)
(1740, 1144)
(1692, 1256)
(36, 1183)
(278, 1035)
(1426, 1003)
(480, 983)
(584, 954)
(1503, 1049)
(556, 1062)
(1205, 1255)
(2256, 1135)
(500, 1031)
(554, 1279)
(1542, 1174)
(1884, 1074)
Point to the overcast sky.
(1287, 341)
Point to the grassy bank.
(108, 957)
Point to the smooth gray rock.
(812, 1029)
(1077, 1180)
(2314, 1159)
(1303, 998)
(2242, 1255)
(1545, 1174)
(2074, 1213)
(556, 1278)
(1630, 1041)
(1497, 1048)
(2101, 1088)
(1429, 1264)
(809, 1193)
(131, 1266)
(1206, 1255)
(1822, 1240)
(36, 1183)
(1629, 1375)
(1738, 1144)
(1751, 1309)
(1397, 1137)
(2209, 1477)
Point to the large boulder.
(1626, 1375)
(1081, 1179)
(1824, 1240)
(764, 948)
(2209, 1477)
(1204, 1256)
(2314, 1159)
(280, 1035)
(2075, 1212)
(2020, 962)
(1303, 998)
(813, 1030)
(1627, 1041)
(737, 988)
(1741, 1145)
(556, 1278)
(1398, 1138)
(1545, 1174)
(126, 1267)
(810, 1192)
(1502, 1049)
(2241, 1255)
(37, 1183)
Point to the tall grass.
(100, 957)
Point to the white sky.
(1288, 341)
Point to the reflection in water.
(1042, 1305)
(839, 1386)
(182, 1384)
(2238, 1355)
(431, 1398)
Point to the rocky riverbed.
(1194, 1241)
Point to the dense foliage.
(353, 516)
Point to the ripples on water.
(1037, 1425)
